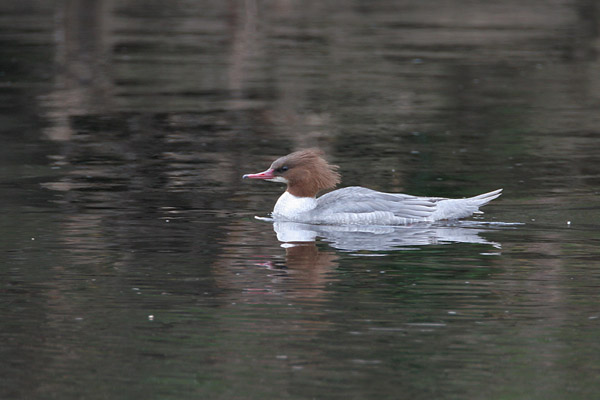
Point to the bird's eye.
(282, 169)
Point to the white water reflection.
(385, 238)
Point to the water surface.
(131, 261)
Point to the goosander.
(306, 173)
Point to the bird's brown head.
(305, 172)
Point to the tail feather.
(461, 208)
(485, 198)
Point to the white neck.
(290, 207)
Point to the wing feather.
(359, 200)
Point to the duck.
(306, 173)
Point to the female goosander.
(306, 173)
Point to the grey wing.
(355, 199)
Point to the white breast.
(292, 208)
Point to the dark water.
(131, 264)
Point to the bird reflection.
(380, 238)
(308, 267)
